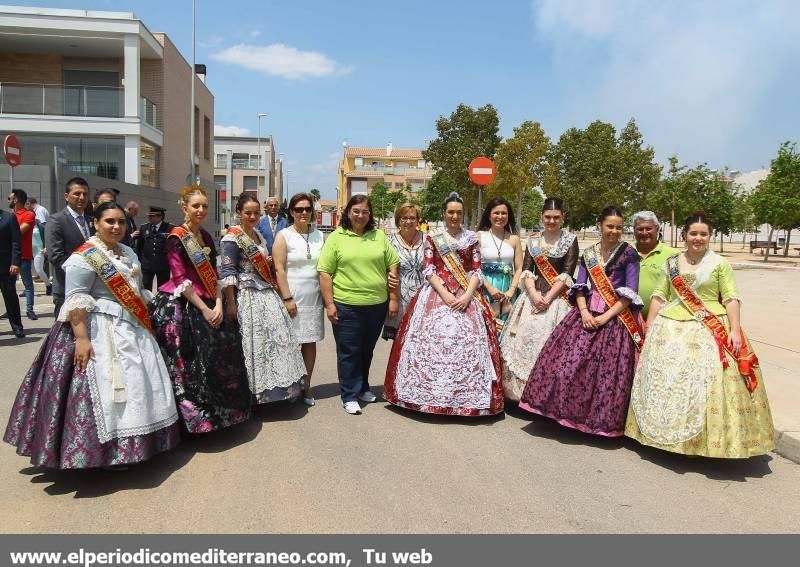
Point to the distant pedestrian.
(272, 222)
(27, 221)
(10, 261)
(132, 231)
(151, 247)
(66, 230)
(41, 215)
(296, 253)
(353, 272)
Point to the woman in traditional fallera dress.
(98, 393)
(698, 389)
(202, 349)
(501, 257)
(582, 378)
(296, 252)
(445, 358)
(408, 241)
(547, 272)
(271, 350)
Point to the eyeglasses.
(299, 210)
(359, 213)
(408, 219)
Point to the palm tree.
(315, 194)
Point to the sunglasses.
(299, 210)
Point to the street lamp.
(258, 163)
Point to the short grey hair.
(646, 216)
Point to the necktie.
(83, 226)
(273, 222)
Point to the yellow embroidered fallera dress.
(683, 400)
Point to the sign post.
(482, 172)
(13, 152)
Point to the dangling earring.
(186, 218)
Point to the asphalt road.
(297, 470)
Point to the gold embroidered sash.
(254, 254)
(747, 361)
(199, 259)
(545, 267)
(453, 264)
(116, 283)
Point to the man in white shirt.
(41, 214)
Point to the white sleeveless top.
(489, 245)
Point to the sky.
(713, 82)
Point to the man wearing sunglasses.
(272, 222)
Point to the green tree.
(465, 135)
(430, 198)
(522, 166)
(744, 220)
(776, 200)
(532, 202)
(315, 194)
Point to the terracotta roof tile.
(381, 152)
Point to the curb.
(787, 444)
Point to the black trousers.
(161, 277)
(8, 283)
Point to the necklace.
(497, 246)
(693, 262)
(306, 238)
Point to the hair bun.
(454, 195)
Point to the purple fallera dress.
(582, 379)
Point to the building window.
(221, 181)
(250, 183)
(359, 162)
(421, 164)
(148, 164)
(222, 161)
(206, 138)
(196, 131)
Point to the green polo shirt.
(650, 270)
(358, 265)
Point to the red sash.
(545, 267)
(253, 254)
(199, 259)
(747, 361)
(609, 295)
(116, 283)
(453, 264)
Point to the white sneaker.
(367, 397)
(352, 408)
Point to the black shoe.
(18, 331)
(4, 316)
(49, 290)
(32, 316)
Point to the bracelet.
(290, 298)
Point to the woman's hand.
(602, 319)
(393, 281)
(213, 316)
(542, 303)
(333, 315)
(509, 296)
(83, 353)
(493, 292)
(461, 303)
(589, 321)
(394, 308)
(291, 307)
(735, 341)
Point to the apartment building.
(249, 165)
(361, 168)
(100, 95)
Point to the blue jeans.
(356, 333)
(27, 281)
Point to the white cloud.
(220, 130)
(695, 75)
(281, 60)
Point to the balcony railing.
(248, 164)
(396, 170)
(71, 100)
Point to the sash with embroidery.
(453, 264)
(747, 361)
(253, 254)
(116, 283)
(606, 291)
(199, 259)
(545, 267)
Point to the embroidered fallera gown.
(271, 350)
(582, 378)
(683, 399)
(206, 365)
(445, 361)
(120, 409)
(411, 264)
(525, 333)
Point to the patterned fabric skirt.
(53, 419)
(272, 354)
(499, 276)
(684, 401)
(445, 361)
(582, 379)
(523, 337)
(206, 365)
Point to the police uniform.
(151, 249)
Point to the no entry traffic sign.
(12, 150)
(482, 170)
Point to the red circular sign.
(482, 170)
(12, 151)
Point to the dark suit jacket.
(151, 247)
(128, 240)
(265, 228)
(10, 242)
(62, 236)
